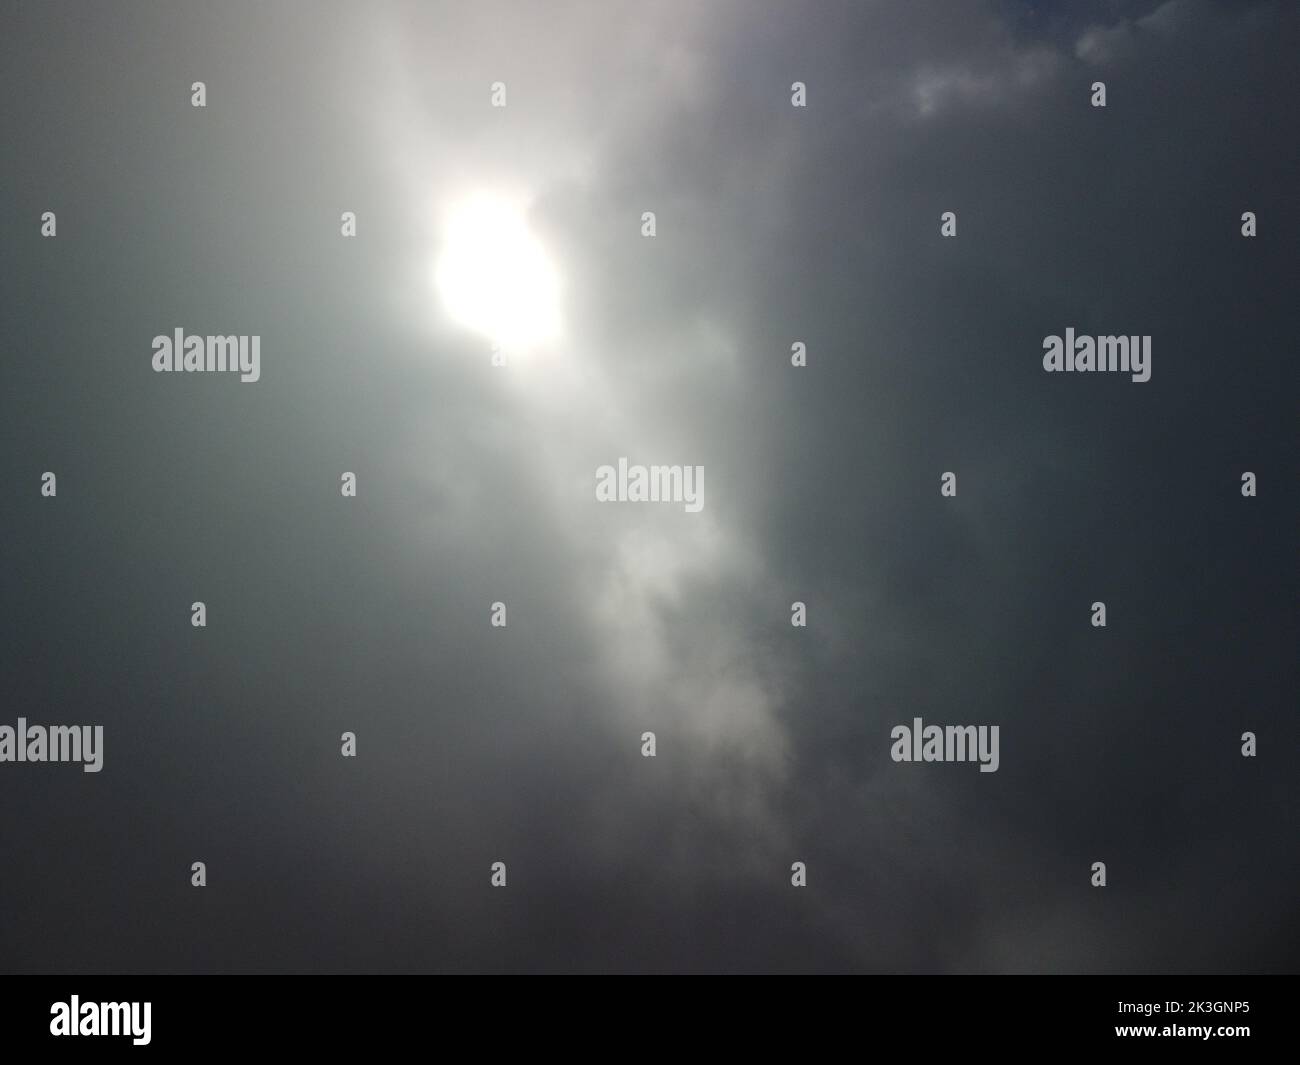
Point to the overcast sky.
(775, 224)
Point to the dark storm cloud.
(775, 225)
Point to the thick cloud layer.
(775, 225)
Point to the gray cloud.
(775, 225)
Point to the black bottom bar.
(885, 1014)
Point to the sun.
(493, 275)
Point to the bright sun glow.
(494, 277)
